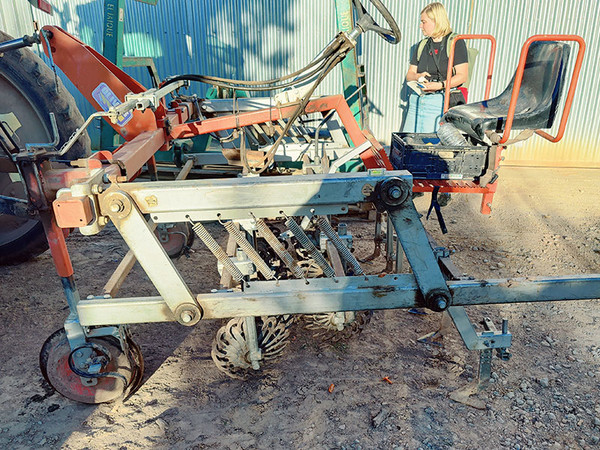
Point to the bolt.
(395, 192)
(441, 303)
(437, 302)
(116, 206)
(186, 316)
(97, 189)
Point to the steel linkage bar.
(340, 294)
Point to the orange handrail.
(488, 83)
(519, 78)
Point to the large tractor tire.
(29, 94)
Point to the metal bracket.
(148, 99)
(151, 255)
(485, 340)
(415, 243)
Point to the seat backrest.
(537, 103)
(542, 84)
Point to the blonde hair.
(436, 12)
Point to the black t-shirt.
(436, 52)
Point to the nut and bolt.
(117, 206)
(441, 303)
(395, 192)
(187, 316)
(437, 301)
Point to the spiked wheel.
(326, 330)
(311, 268)
(230, 350)
(118, 373)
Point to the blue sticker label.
(107, 99)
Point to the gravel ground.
(545, 222)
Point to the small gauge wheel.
(119, 371)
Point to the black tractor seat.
(541, 87)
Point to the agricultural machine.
(289, 253)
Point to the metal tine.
(261, 134)
(250, 132)
(291, 133)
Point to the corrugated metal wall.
(260, 39)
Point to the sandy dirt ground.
(545, 222)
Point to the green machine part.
(113, 50)
(114, 19)
(353, 75)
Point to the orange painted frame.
(488, 83)
(519, 78)
(88, 69)
(372, 158)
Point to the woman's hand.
(432, 86)
(422, 75)
(412, 74)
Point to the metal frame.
(239, 199)
(99, 189)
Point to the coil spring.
(276, 245)
(216, 250)
(308, 245)
(260, 264)
(342, 249)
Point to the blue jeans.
(424, 113)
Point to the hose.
(252, 85)
(84, 374)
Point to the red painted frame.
(519, 78)
(488, 83)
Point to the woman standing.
(429, 66)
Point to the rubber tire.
(36, 81)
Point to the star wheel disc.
(230, 350)
(326, 329)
